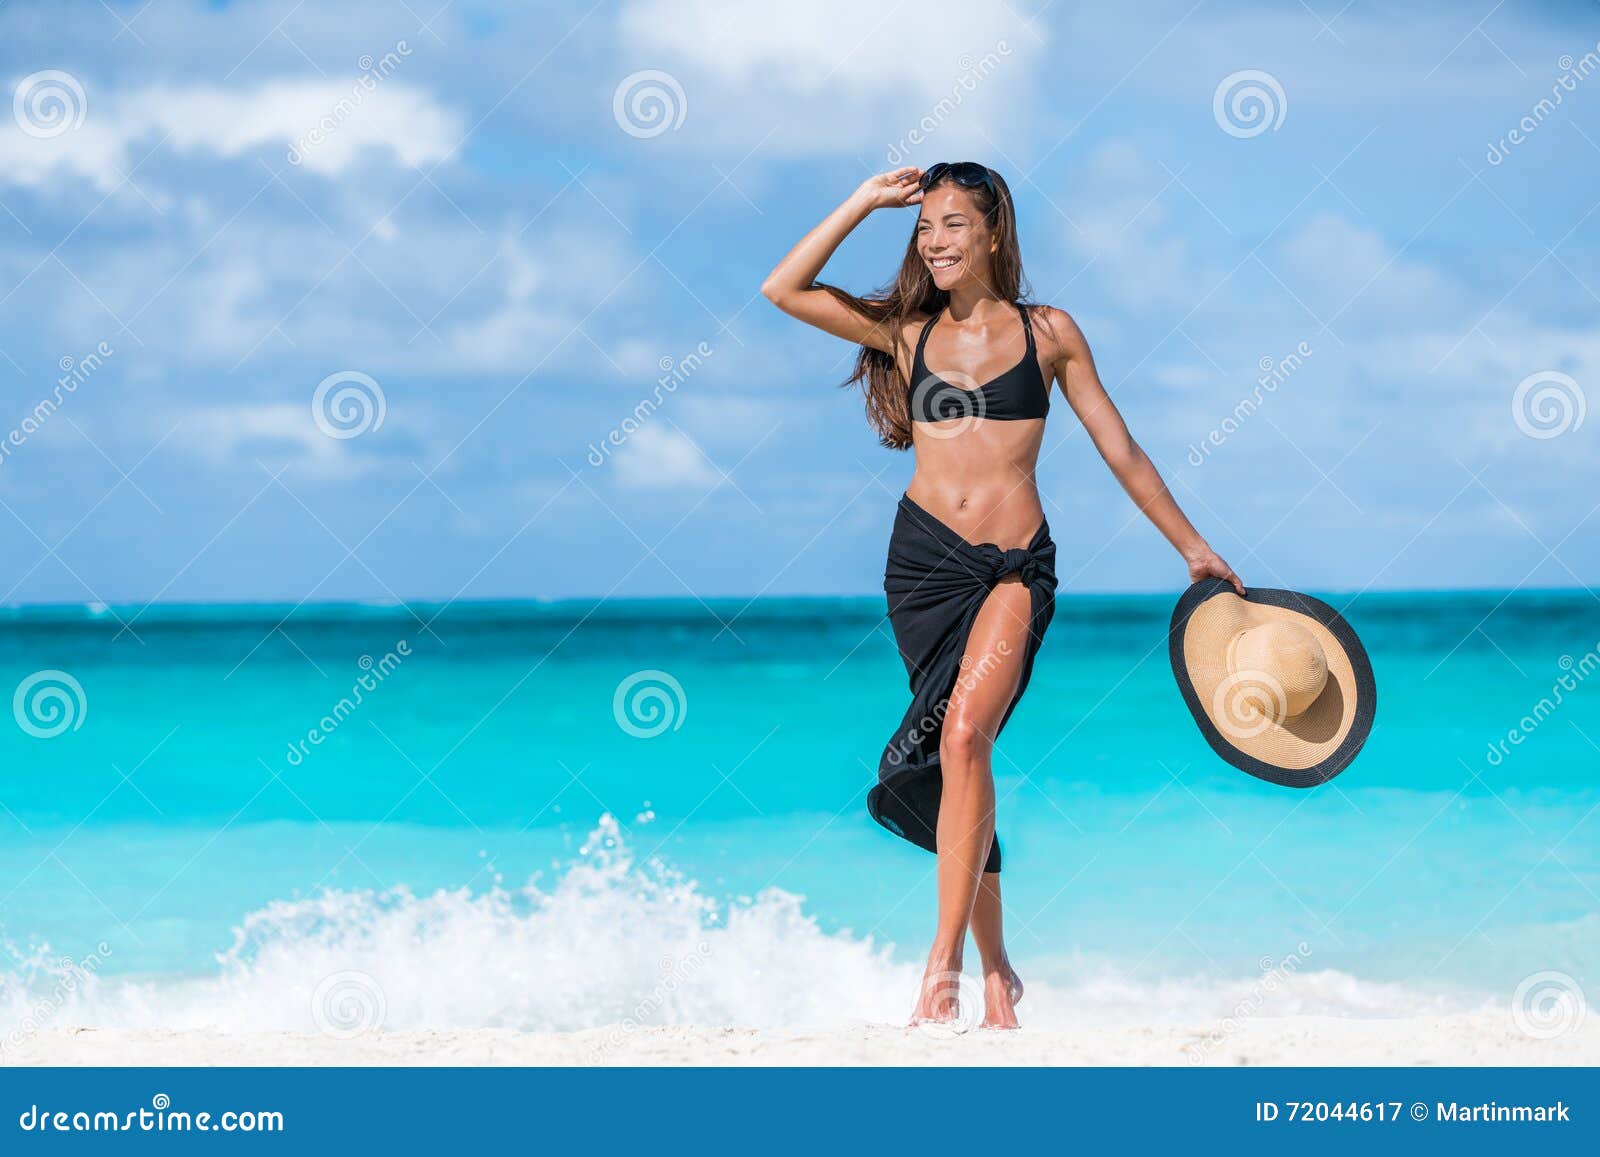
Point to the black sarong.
(936, 581)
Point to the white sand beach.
(1477, 1038)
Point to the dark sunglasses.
(968, 174)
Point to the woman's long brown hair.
(913, 291)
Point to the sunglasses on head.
(968, 174)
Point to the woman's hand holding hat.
(1206, 563)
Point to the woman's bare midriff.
(977, 477)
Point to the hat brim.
(1366, 691)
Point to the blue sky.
(491, 237)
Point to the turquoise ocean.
(562, 815)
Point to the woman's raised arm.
(792, 284)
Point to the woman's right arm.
(791, 284)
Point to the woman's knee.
(963, 746)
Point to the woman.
(957, 368)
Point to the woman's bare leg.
(1002, 988)
(990, 672)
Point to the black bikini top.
(1021, 392)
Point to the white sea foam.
(612, 942)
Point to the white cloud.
(1340, 267)
(657, 459)
(810, 47)
(552, 283)
(275, 433)
(323, 125)
(835, 76)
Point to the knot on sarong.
(1018, 560)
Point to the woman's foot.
(1002, 992)
(939, 999)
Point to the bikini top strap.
(923, 340)
(1027, 324)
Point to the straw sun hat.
(1278, 682)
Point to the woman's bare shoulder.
(1056, 328)
(908, 327)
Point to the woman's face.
(953, 239)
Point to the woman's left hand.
(1206, 563)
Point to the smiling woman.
(970, 576)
